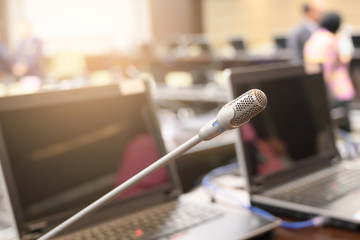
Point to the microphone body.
(231, 116)
(234, 114)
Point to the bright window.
(83, 25)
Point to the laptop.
(238, 44)
(61, 150)
(288, 153)
(280, 42)
(356, 40)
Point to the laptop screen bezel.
(66, 96)
(271, 72)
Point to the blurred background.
(82, 41)
(182, 47)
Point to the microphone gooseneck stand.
(231, 116)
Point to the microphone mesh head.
(248, 105)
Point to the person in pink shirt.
(332, 49)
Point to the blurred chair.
(67, 64)
(220, 78)
(201, 42)
(176, 45)
(178, 79)
(101, 77)
(187, 45)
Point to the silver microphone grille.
(247, 106)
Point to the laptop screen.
(294, 130)
(68, 148)
(356, 40)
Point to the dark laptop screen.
(295, 127)
(280, 42)
(66, 154)
(356, 40)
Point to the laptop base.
(302, 216)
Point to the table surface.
(318, 233)
(322, 233)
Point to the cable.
(350, 143)
(231, 168)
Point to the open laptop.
(280, 42)
(288, 152)
(62, 150)
(238, 44)
(356, 40)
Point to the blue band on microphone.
(215, 124)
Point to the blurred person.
(270, 152)
(313, 11)
(28, 54)
(331, 48)
(133, 161)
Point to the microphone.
(234, 114)
(231, 115)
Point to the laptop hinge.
(35, 230)
(172, 195)
(257, 189)
(335, 160)
(31, 236)
(37, 226)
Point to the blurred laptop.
(356, 40)
(288, 152)
(62, 150)
(238, 44)
(280, 42)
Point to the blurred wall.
(9, 18)
(349, 10)
(258, 20)
(173, 16)
(3, 21)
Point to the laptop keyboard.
(324, 190)
(155, 223)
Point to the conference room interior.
(184, 50)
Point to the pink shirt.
(324, 47)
